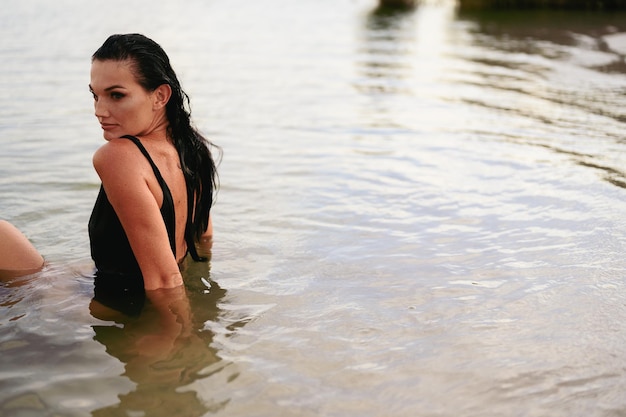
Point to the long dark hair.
(151, 67)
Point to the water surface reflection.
(556, 77)
(165, 349)
(419, 215)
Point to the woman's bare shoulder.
(116, 155)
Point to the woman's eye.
(117, 96)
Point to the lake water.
(421, 213)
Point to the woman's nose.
(100, 109)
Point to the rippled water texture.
(421, 214)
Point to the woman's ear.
(161, 96)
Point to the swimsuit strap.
(166, 191)
(143, 150)
(189, 239)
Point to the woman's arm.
(126, 177)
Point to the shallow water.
(420, 213)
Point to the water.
(420, 214)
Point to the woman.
(158, 175)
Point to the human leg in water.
(18, 256)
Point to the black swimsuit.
(118, 276)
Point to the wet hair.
(151, 67)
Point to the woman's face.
(122, 105)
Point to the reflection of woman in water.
(165, 350)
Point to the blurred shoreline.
(607, 5)
(544, 4)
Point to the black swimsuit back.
(118, 277)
